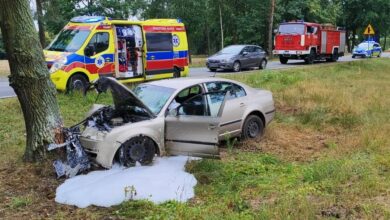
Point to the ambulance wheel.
(77, 82)
(176, 73)
(237, 66)
(283, 60)
(263, 64)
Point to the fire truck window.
(159, 42)
(99, 42)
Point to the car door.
(253, 57)
(260, 54)
(245, 57)
(99, 57)
(192, 128)
(235, 106)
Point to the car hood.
(123, 97)
(51, 56)
(222, 56)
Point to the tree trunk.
(353, 38)
(41, 26)
(384, 44)
(220, 21)
(270, 28)
(30, 78)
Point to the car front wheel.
(138, 149)
(253, 127)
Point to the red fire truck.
(308, 41)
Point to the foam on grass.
(162, 181)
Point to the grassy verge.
(326, 155)
(4, 68)
(198, 61)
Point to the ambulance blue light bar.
(87, 19)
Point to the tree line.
(243, 21)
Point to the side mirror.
(245, 53)
(88, 51)
(174, 112)
(276, 31)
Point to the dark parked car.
(237, 57)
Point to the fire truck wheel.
(335, 55)
(263, 64)
(237, 66)
(283, 60)
(77, 82)
(310, 59)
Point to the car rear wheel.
(263, 64)
(77, 82)
(212, 69)
(138, 149)
(353, 56)
(253, 127)
(237, 66)
(283, 60)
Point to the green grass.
(326, 154)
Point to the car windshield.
(365, 46)
(292, 29)
(69, 40)
(231, 50)
(154, 97)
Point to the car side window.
(258, 50)
(99, 42)
(237, 91)
(186, 95)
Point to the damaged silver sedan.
(186, 116)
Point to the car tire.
(236, 66)
(380, 54)
(283, 60)
(253, 127)
(212, 69)
(138, 149)
(77, 82)
(263, 64)
(353, 56)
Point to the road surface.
(6, 91)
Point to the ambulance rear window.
(159, 42)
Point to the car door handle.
(212, 126)
(242, 104)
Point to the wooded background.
(244, 21)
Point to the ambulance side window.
(98, 43)
(159, 42)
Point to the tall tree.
(30, 78)
(270, 27)
(41, 25)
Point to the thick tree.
(270, 27)
(30, 78)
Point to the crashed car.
(184, 116)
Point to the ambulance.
(90, 47)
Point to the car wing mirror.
(245, 53)
(174, 112)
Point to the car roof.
(181, 83)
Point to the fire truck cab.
(309, 42)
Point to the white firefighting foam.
(162, 181)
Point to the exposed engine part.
(76, 158)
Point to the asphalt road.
(6, 91)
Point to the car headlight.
(59, 64)
(224, 61)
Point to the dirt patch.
(28, 190)
(293, 143)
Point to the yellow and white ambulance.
(131, 51)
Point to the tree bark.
(30, 78)
(41, 25)
(270, 26)
(220, 21)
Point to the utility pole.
(270, 30)
(220, 21)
